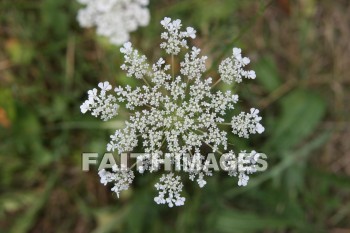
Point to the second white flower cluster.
(114, 19)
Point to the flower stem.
(225, 123)
(146, 82)
(172, 66)
(216, 83)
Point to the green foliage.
(301, 112)
(268, 73)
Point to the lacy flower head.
(114, 19)
(178, 112)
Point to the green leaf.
(302, 111)
(267, 73)
(25, 222)
(232, 221)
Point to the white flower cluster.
(200, 174)
(196, 166)
(178, 112)
(121, 177)
(149, 162)
(101, 104)
(114, 19)
(231, 69)
(174, 38)
(241, 166)
(247, 123)
(169, 188)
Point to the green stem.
(216, 83)
(172, 66)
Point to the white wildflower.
(241, 166)
(197, 166)
(150, 162)
(101, 104)
(174, 38)
(134, 63)
(169, 188)
(192, 66)
(231, 69)
(230, 163)
(242, 179)
(247, 123)
(120, 177)
(114, 19)
(176, 111)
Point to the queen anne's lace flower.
(169, 188)
(174, 38)
(114, 19)
(241, 166)
(247, 123)
(176, 111)
(231, 69)
(101, 104)
(150, 162)
(121, 177)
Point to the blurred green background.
(300, 52)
